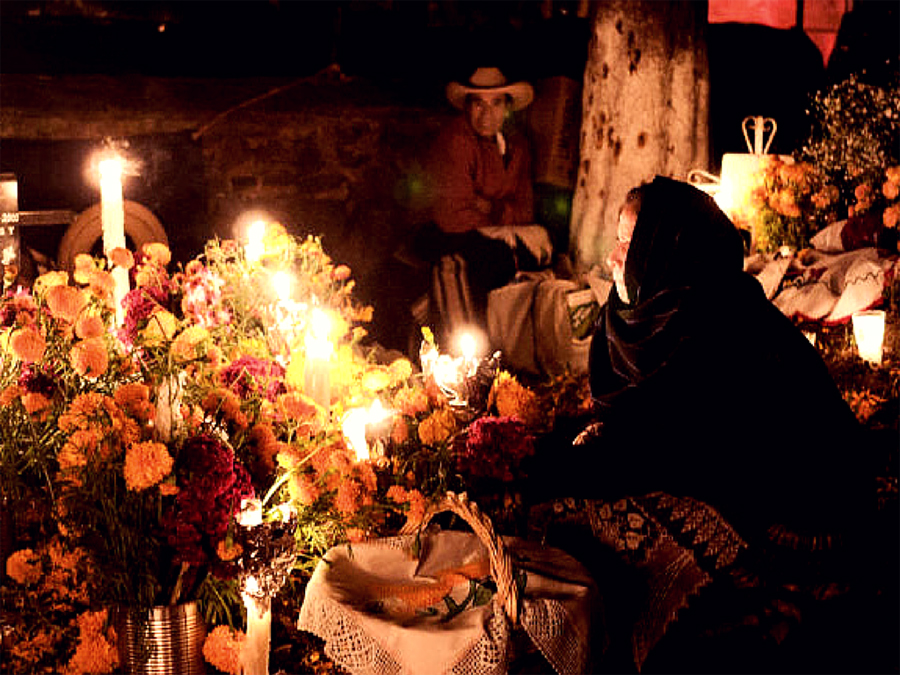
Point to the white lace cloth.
(380, 611)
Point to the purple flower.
(37, 380)
(211, 486)
(249, 375)
(494, 447)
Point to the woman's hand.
(591, 433)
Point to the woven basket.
(501, 563)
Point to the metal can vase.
(165, 640)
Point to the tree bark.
(645, 110)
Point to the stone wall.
(327, 155)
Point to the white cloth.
(377, 616)
(829, 287)
(533, 237)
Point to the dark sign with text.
(9, 221)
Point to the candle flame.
(467, 346)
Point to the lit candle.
(354, 429)
(356, 423)
(318, 359)
(467, 347)
(251, 512)
(112, 218)
(868, 329)
(256, 233)
(255, 650)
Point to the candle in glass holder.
(112, 219)
(868, 329)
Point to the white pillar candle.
(112, 218)
(868, 329)
(255, 650)
(317, 384)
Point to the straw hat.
(490, 80)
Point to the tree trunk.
(645, 111)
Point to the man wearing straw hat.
(483, 203)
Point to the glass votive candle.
(868, 330)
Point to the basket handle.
(501, 563)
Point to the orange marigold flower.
(189, 344)
(416, 506)
(437, 427)
(376, 378)
(134, 399)
(302, 489)
(82, 409)
(10, 394)
(891, 216)
(222, 649)
(349, 497)
(514, 400)
(36, 404)
(96, 652)
(276, 241)
(226, 404)
(298, 407)
(288, 457)
(401, 370)
(48, 280)
(396, 493)
(168, 489)
(159, 254)
(228, 550)
(340, 273)
(356, 535)
(121, 257)
(400, 431)
(146, 464)
(265, 446)
(89, 358)
(24, 567)
(89, 326)
(411, 401)
(161, 327)
(79, 446)
(65, 302)
(863, 192)
(890, 189)
(84, 265)
(27, 344)
(102, 284)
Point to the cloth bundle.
(382, 610)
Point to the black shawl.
(706, 390)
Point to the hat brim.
(521, 93)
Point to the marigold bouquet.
(136, 447)
(848, 168)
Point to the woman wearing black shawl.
(719, 422)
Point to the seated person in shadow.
(481, 203)
(480, 174)
(717, 425)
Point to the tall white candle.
(112, 218)
(317, 383)
(255, 650)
